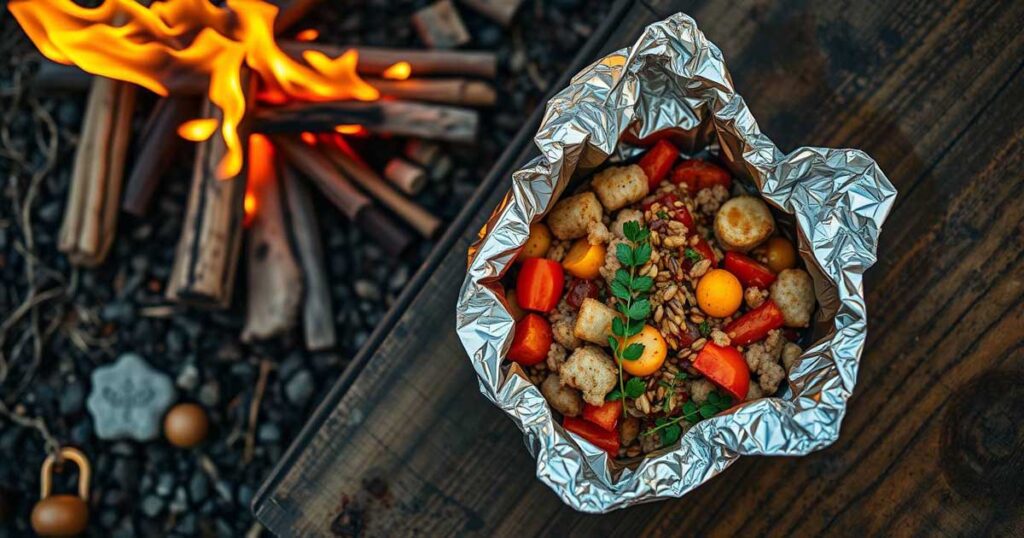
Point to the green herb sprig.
(692, 413)
(631, 290)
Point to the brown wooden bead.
(186, 425)
(60, 515)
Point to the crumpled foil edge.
(674, 78)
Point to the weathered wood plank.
(933, 91)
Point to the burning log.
(345, 196)
(440, 27)
(500, 11)
(376, 60)
(274, 277)
(448, 91)
(406, 176)
(414, 214)
(207, 254)
(159, 144)
(317, 311)
(90, 220)
(399, 118)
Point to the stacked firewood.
(291, 146)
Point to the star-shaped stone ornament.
(129, 399)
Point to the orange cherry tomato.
(698, 174)
(780, 253)
(540, 283)
(719, 293)
(531, 341)
(654, 353)
(538, 243)
(725, 367)
(584, 260)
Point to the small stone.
(269, 433)
(152, 505)
(209, 394)
(50, 212)
(165, 484)
(300, 388)
(128, 399)
(72, 399)
(398, 278)
(187, 525)
(180, 502)
(188, 378)
(198, 487)
(245, 494)
(118, 312)
(366, 289)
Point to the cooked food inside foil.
(660, 294)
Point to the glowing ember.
(149, 46)
(309, 34)
(308, 137)
(348, 129)
(398, 71)
(197, 130)
(261, 168)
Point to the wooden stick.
(159, 143)
(406, 176)
(440, 27)
(274, 277)
(317, 310)
(207, 253)
(400, 118)
(90, 220)
(414, 214)
(453, 91)
(375, 60)
(500, 11)
(345, 196)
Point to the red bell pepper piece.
(756, 324)
(698, 174)
(725, 367)
(540, 283)
(605, 416)
(531, 341)
(748, 270)
(658, 161)
(598, 436)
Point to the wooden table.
(933, 442)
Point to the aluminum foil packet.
(674, 79)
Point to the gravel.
(151, 488)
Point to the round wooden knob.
(60, 515)
(186, 425)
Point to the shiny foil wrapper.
(674, 79)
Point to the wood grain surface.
(933, 442)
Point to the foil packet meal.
(674, 79)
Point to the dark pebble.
(152, 505)
(300, 388)
(198, 487)
(72, 398)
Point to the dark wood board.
(933, 442)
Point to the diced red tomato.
(725, 367)
(598, 436)
(605, 416)
(756, 324)
(748, 270)
(579, 289)
(531, 341)
(540, 283)
(698, 174)
(705, 251)
(658, 161)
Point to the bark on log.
(90, 220)
(207, 255)
(159, 143)
(399, 118)
(449, 91)
(375, 60)
(275, 283)
(408, 177)
(317, 310)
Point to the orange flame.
(348, 129)
(309, 34)
(398, 71)
(148, 46)
(198, 129)
(260, 170)
(308, 137)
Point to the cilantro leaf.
(690, 412)
(642, 254)
(619, 290)
(671, 433)
(613, 396)
(631, 230)
(633, 352)
(618, 328)
(634, 327)
(625, 254)
(708, 410)
(692, 255)
(613, 343)
(714, 398)
(705, 328)
(643, 284)
(681, 376)
(639, 310)
(662, 214)
(635, 387)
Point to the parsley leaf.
(705, 328)
(613, 396)
(635, 387)
(662, 214)
(633, 352)
(625, 254)
(671, 433)
(692, 255)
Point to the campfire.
(268, 116)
